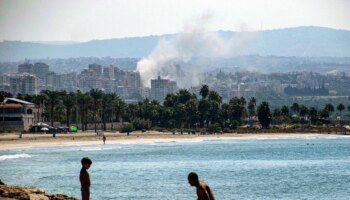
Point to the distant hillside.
(300, 41)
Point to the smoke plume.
(172, 57)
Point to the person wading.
(203, 190)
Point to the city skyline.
(39, 20)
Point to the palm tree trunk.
(95, 108)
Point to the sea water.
(293, 168)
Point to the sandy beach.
(12, 140)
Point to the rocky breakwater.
(9, 192)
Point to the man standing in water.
(203, 190)
(85, 178)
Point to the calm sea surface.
(316, 167)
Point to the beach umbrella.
(42, 124)
(73, 128)
(44, 129)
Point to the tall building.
(161, 87)
(108, 72)
(26, 68)
(68, 82)
(51, 81)
(96, 68)
(40, 71)
(88, 79)
(24, 84)
(29, 84)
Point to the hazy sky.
(81, 20)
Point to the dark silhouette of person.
(203, 190)
(104, 139)
(84, 177)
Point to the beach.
(12, 140)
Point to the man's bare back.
(204, 192)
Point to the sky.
(84, 20)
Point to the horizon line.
(71, 42)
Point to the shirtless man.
(85, 178)
(203, 190)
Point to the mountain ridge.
(305, 41)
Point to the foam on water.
(14, 156)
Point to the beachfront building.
(16, 114)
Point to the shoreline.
(12, 141)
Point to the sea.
(301, 167)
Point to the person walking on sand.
(84, 177)
(203, 190)
(104, 139)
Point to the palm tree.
(204, 91)
(96, 95)
(237, 109)
(251, 109)
(53, 98)
(329, 108)
(340, 108)
(192, 112)
(83, 100)
(264, 114)
(40, 100)
(285, 111)
(313, 114)
(4, 95)
(69, 101)
(107, 107)
(295, 108)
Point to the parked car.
(42, 129)
(62, 129)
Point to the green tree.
(128, 128)
(191, 107)
(4, 95)
(203, 105)
(264, 114)
(224, 115)
(53, 98)
(204, 91)
(313, 114)
(96, 95)
(329, 108)
(83, 100)
(285, 111)
(251, 109)
(295, 108)
(340, 108)
(69, 101)
(237, 109)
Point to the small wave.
(92, 149)
(6, 157)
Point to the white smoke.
(196, 41)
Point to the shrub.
(159, 129)
(127, 128)
(140, 124)
(214, 128)
(235, 124)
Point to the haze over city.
(84, 20)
